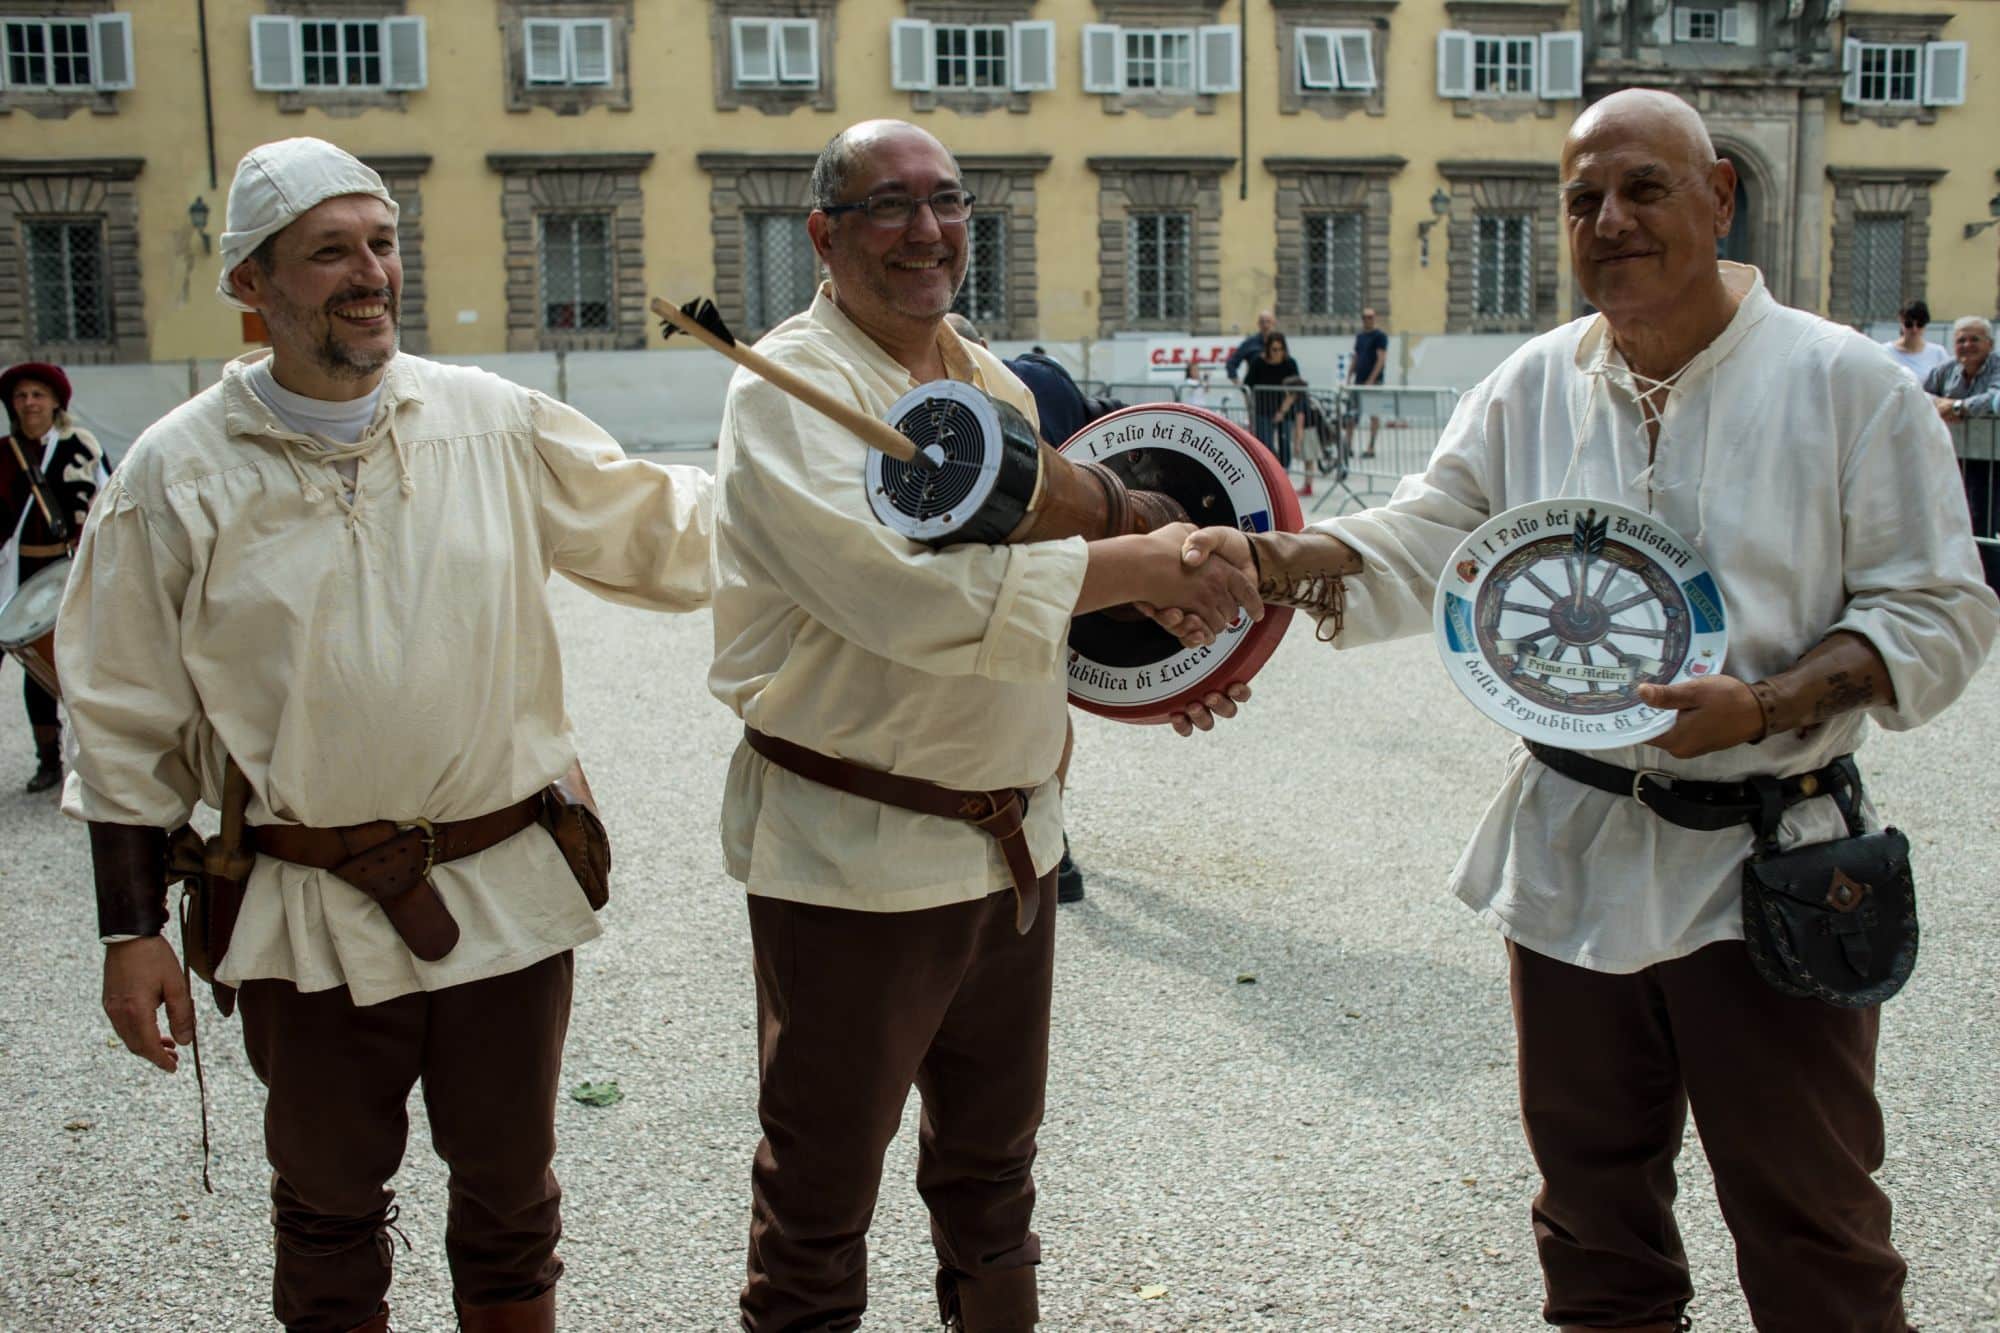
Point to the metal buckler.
(1639, 777)
(423, 826)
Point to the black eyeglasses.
(896, 209)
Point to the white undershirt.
(336, 423)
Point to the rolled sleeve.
(130, 699)
(1913, 577)
(628, 530)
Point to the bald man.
(896, 942)
(1815, 480)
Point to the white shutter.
(1944, 73)
(1034, 57)
(274, 53)
(1103, 58)
(542, 43)
(1562, 66)
(1746, 23)
(798, 51)
(1454, 63)
(750, 43)
(910, 64)
(1316, 59)
(1216, 60)
(1850, 61)
(1663, 26)
(590, 51)
(1683, 24)
(1730, 29)
(405, 63)
(112, 34)
(1356, 48)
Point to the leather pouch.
(1835, 921)
(569, 813)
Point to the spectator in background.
(1262, 380)
(1194, 386)
(1064, 409)
(1973, 374)
(1251, 347)
(1913, 352)
(1365, 367)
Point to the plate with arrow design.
(1550, 616)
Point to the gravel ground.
(1281, 1093)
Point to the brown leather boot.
(536, 1316)
(1002, 1302)
(48, 759)
(376, 1323)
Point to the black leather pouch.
(1835, 921)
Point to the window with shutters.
(1503, 266)
(66, 282)
(568, 56)
(971, 55)
(321, 53)
(1887, 73)
(982, 297)
(1894, 68)
(1514, 61)
(1333, 264)
(69, 251)
(1160, 69)
(1697, 25)
(1159, 272)
(1503, 66)
(1333, 57)
(780, 270)
(56, 62)
(1161, 58)
(774, 55)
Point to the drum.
(1122, 665)
(28, 623)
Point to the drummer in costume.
(327, 574)
(1814, 478)
(876, 676)
(49, 474)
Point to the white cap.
(276, 183)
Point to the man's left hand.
(1201, 716)
(1716, 712)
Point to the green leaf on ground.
(598, 1094)
(1246, 978)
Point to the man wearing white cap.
(315, 595)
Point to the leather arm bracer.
(1091, 501)
(130, 865)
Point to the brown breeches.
(1783, 1093)
(853, 1009)
(489, 1055)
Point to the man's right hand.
(140, 976)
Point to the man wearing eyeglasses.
(890, 947)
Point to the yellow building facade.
(1169, 165)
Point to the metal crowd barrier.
(1977, 443)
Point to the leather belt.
(391, 862)
(1701, 805)
(1000, 814)
(43, 552)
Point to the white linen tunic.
(385, 657)
(835, 633)
(1815, 478)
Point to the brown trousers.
(853, 1008)
(1783, 1092)
(489, 1054)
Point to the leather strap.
(1703, 805)
(391, 863)
(40, 552)
(1000, 814)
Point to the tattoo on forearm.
(1844, 692)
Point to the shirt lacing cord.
(330, 454)
(1650, 396)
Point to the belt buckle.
(1639, 777)
(423, 826)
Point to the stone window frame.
(741, 184)
(343, 101)
(534, 184)
(990, 13)
(1005, 183)
(1317, 185)
(403, 174)
(1191, 14)
(1128, 185)
(518, 95)
(74, 189)
(51, 103)
(772, 101)
(1508, 18)
(1333, 104)
(1876, 192)
(1877, 28)
(1501, 187)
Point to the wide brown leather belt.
(391, 863)
(43, 551)
(998, 813)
